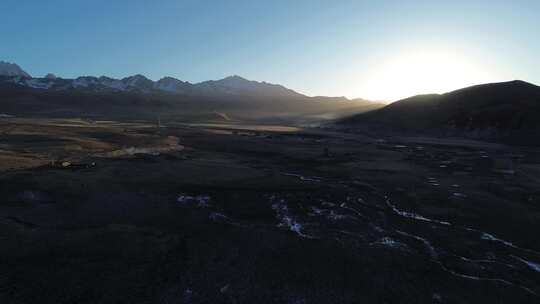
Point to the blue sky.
(352, 48)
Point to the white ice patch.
(471, 277)
(433, 181)
(390, 242)
(328, 204)
(199, 200)
(316, 211)
(293, 225)
(490, 237)
(427, 244)
(533, 266)
(286, 219)
(414, 215)
(216, 216)
(329, 214)
(304, 178)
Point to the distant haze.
(379, 50)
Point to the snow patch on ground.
(198, 200)
(490, 237)
(414, 215)
(304, 178)
(532, 265)
(286, 219)
(390, 242)
(432, 252)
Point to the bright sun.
(421, 72)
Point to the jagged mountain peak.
(136, 76)
(237, 85)
(169, 78)
(12, 69)
(172, 85)
(234, 78)
(236, 81)
(103, 77)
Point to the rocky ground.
(107, 212)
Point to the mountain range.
(506, 111)
(232, 85)
(101, 96)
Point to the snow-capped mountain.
(137, 97)
(228, 88)
(237, 85)
(11, 69)
(132, 83)
(233, 85)
(172, 85)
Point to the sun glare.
(423, 71)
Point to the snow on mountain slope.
(238, 86)
(172, 85)
(233, 85)
(37, 83)
(138, 82)
(229, 87)
(111, 83)
(84, 82)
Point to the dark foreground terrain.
(108, 212)
(504, 112)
